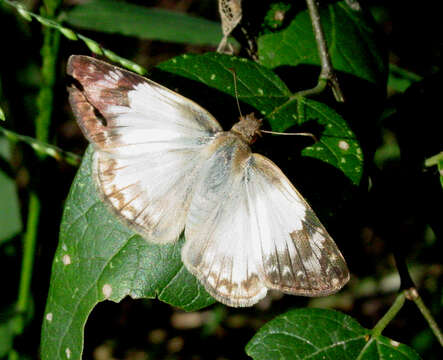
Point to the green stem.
(42, 123)
(318, 89)
(412, 294)
(387, 318)
(29, 242)
(46, 95)
(28, 256)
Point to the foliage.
(365, 174)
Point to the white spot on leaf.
(66, 259)
(49, 317)
(107, 290)
(343, 145)
(68, 353)
(394, 343)
(260, 91)
(212, 76)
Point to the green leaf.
(351, 39)
(322, 334)
(10, 219)
(266, 92)
(400, 79)
(146, 23)
(99, 258)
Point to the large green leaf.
(10, 218)
(351, 39)
(98, 258)
(266, 92)
(147, 23)
(318, 334)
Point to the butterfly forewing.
(149, 144)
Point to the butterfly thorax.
(247, 128)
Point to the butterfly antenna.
(234, 74)
(292, 134)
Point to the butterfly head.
(248, 128)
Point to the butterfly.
(164, 165)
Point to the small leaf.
(351, 38)
(92, 45)
(436, 160)
(321, 334)
(146, 23)
(99, 258)
(24, 13)
(68, 33)
(266, 92)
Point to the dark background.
(396, 210)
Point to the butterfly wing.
(149, 144)
(219, 249)
(297, 255)
(249, 230)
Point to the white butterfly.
(165, 165)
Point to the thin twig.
(327, 71)
(412, 294)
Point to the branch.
(412, 294)
(387, 318)
(327, 73)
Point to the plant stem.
(412, 294)
(327, 71)
(28, 259)
(317, 89)
(29, 242)
(42, 124)
(46, 95)
(387, 318)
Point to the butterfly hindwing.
(297, 255)
(249, 230)
(219, 249)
